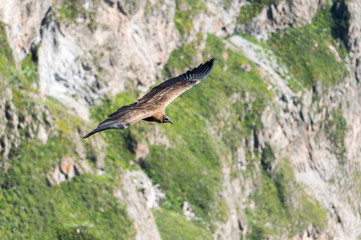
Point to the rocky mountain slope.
(267, 147)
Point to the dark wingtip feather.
(204, 69)
(89, 134)
(98, 129)
(112, 124)
(199, 72)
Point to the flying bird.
(151, 107)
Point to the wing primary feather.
(112, 124)
(205, 70)
(167, 91)
(159, 96)
(200, 72)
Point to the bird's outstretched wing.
(156, 100)
(166, 92)
(123, 118)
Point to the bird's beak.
(171, 121)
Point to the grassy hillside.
(211, 121)
(83, 208)
(307, 52)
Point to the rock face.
(294, 139)
(90, 49)
(140, 196)
(233, 228)
(76, 60)
(79, 62)
(8, 118)
(13, 122)
(284, 14)
(24, 19)
(348, 14)
(60, 74)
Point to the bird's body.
(151, 107)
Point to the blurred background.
(266, 147)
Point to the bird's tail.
(108, 124)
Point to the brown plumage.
(151, 107)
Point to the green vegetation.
(227, 4)
(120, 145)
(191, 170)
(188, 171)
(174, 226)
(85, 207)
(228, 104)
(235, 80)
(31, 209)
(274, 196)
(307, 52)
(8, 69)
(29, 65)
(335, 129)
(183, 22)
(267, 158)
(206, 103)
(184, 14)
(281, 205)
(252, 9)
(70, 10)
(6, 57)
(186, 53)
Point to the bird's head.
(166, 119)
